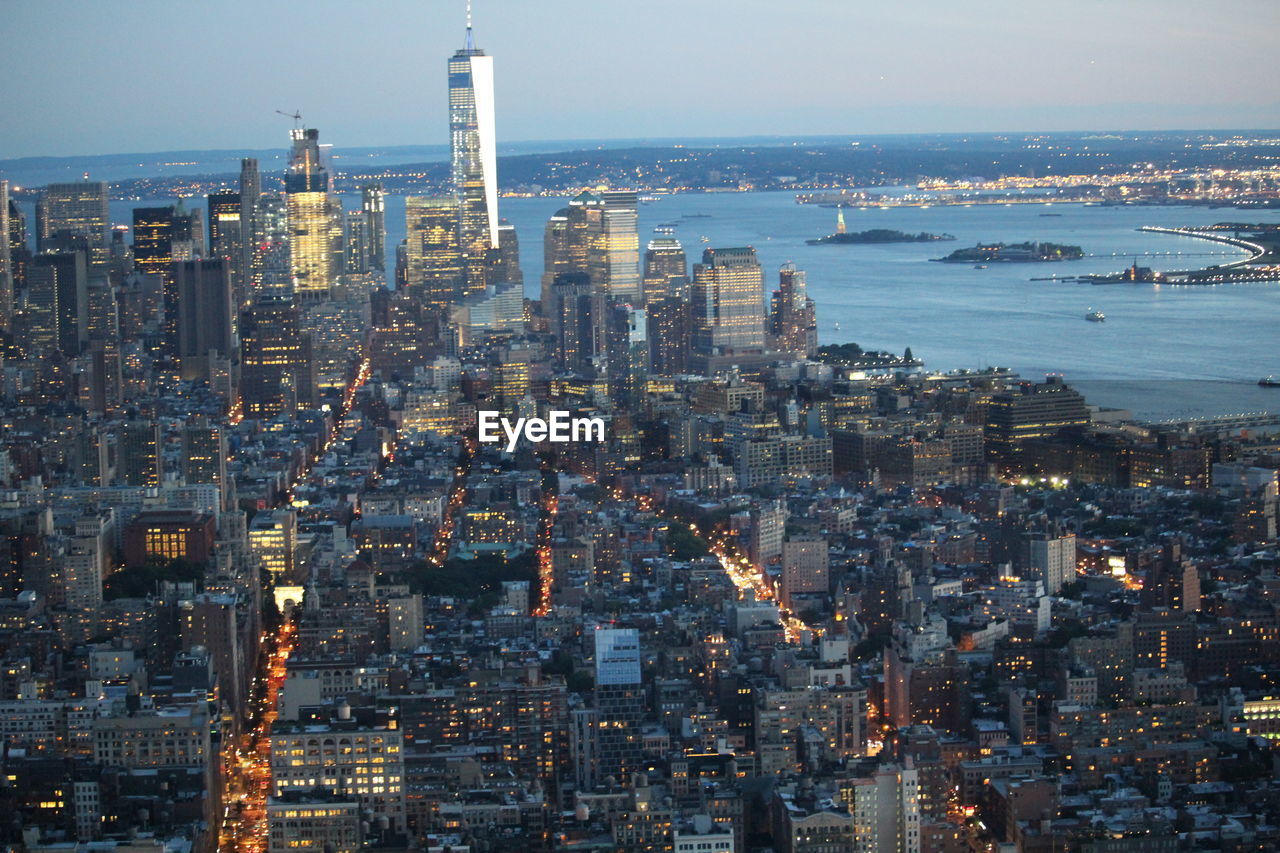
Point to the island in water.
(985, 253)
(854, 356)
(873, 235)
(878, 235)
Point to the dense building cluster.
(263, 586)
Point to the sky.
(99, 77)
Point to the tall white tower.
(473, 141)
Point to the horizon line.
(683, 140)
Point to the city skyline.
(321, 531)
(839, 69)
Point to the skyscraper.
(805, 567)
(102, 369)
(19, 253)
(250, 224)
(727, 301)
(205, 316)
(666, 272)
(227, 235)
(6, 265)
(617, 657)
(511, 370)
(885, 808)
(204, 453)
(1051, 558)
(573, 310)
(597, 235)
(793, 321)
(59, 301)
(355, 243)
(433, 250)
(70, 210)
(498, 309)
(139, 445)
(188, 233)
(669, 336)
(628, 348)
(153, 239)
(373, 206)
(473, 142)
(271, 264)
(555, 242)
(275, 359)
(504, 261)
(614, 258)
(619, 697)
(224, 218)
(307, 196)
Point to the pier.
(1239, 271)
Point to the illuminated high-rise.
(310, 226)
(574, 313)
(555, 243)
(504, 262)
(666, 271)
(597, 235)
(19, 252)
(627, 335)
(512, 367)
(140, 445)
(373, 207)
(204, 453)
(6, 265)
(74, 210)
(250, 223)
(355, 243)
(472, 139)
(498, 309)
(727, 303)
(793, 321)
(226, 236)
(271, 265)
(224, 219)
(433, 250)
(619, 701)
(58, 301)
(188, 233)
(161, 235)
(153, 239)
(668, 326)
(275, 359)
(567, 240)
(102, 366)
(614, 256)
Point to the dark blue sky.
(90, 76)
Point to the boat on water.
(1269, 382)
(979, 266)
(1095, 316)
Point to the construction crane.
(295, 115)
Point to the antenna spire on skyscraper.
(470, 42)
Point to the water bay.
(1163, 352)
